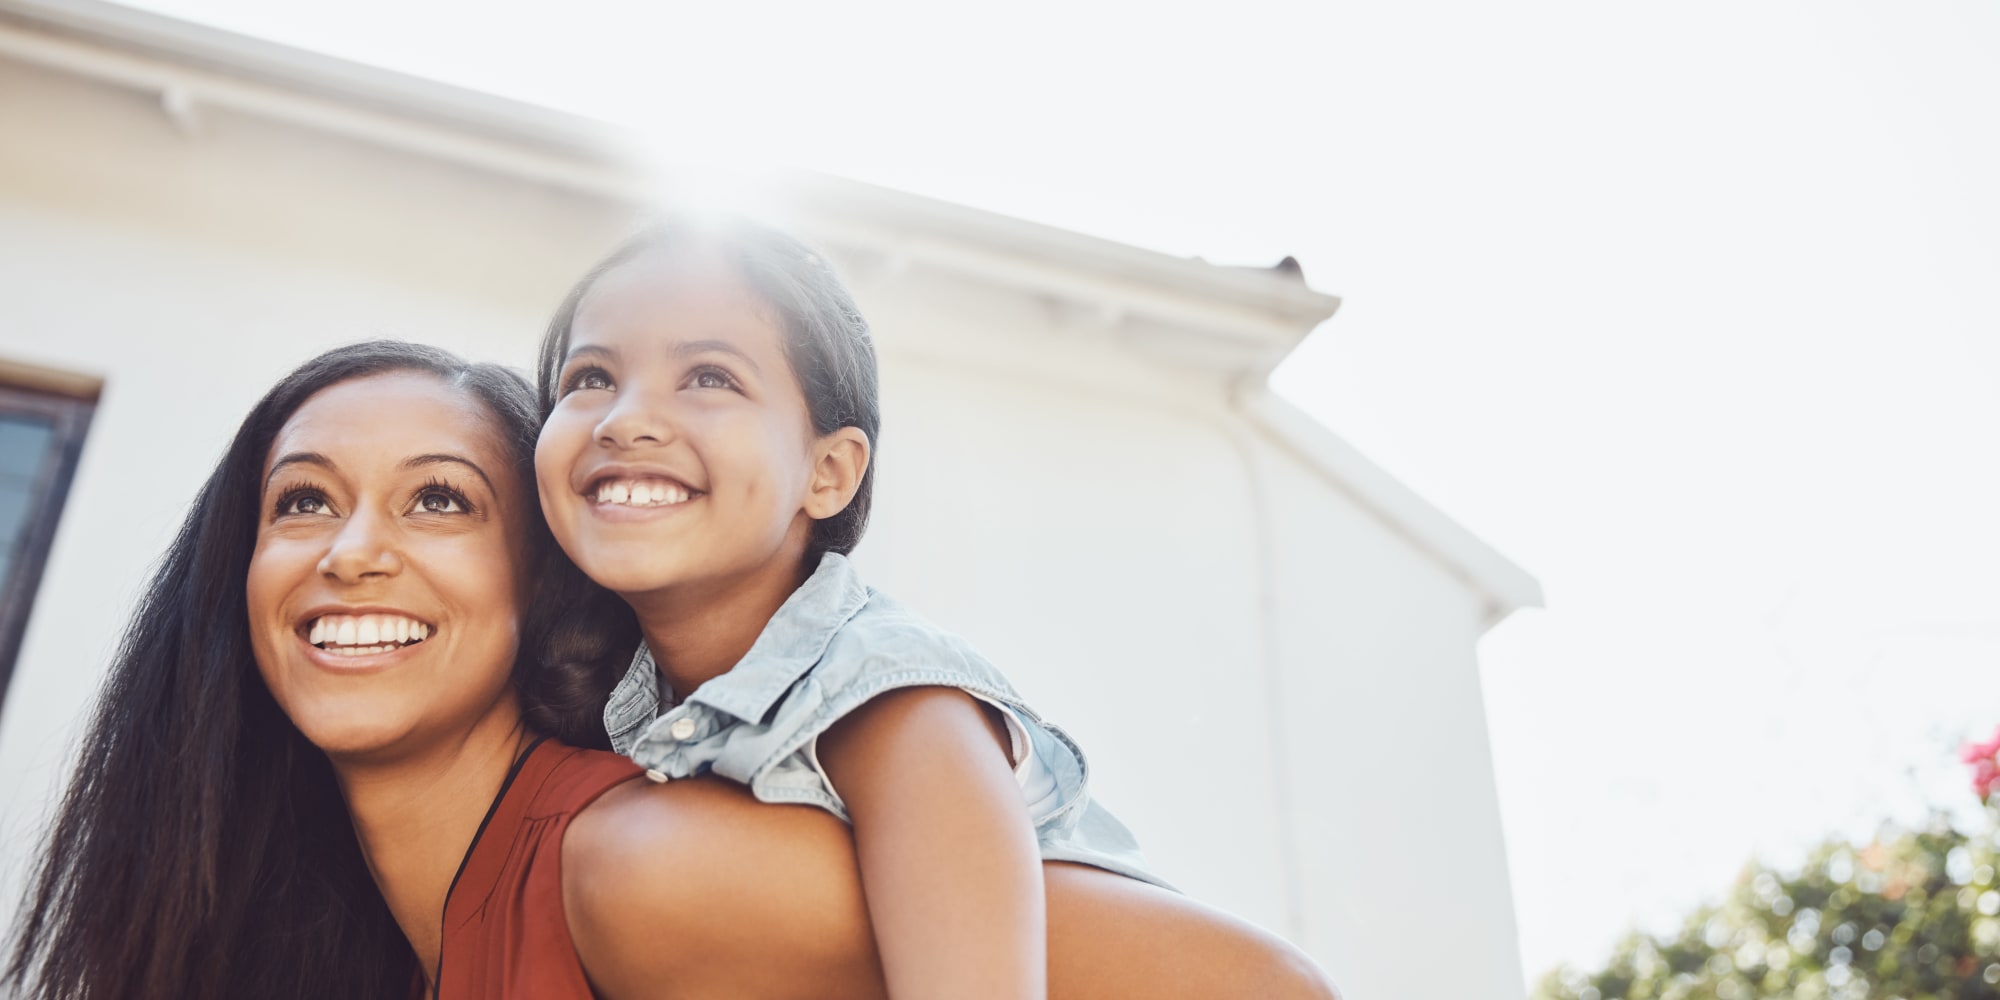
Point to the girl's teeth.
(641, 493)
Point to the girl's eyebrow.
(687, 348)
(589, 350)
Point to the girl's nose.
(634, 422)
(363, 549)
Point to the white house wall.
(190, 274)
(1277, 691)
(1391, 775)
(1109, 531)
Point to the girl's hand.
(949, 863)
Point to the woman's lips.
(353, 640)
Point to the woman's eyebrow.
(687, 348)
(297, 458)
(439, 458)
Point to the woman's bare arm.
(949, 863)
(694, 889)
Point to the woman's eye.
(301, 503)
(439, 502)
(712, 378)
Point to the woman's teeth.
(365, 635)
(641, 492)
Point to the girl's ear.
(840, 459)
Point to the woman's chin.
(357, 737)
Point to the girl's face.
(680, 450)
(386, 586)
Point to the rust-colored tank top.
(504, 930)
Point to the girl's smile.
(679, 449)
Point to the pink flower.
(1972, 752)
(1984, 757)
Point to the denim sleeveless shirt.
(833, 645)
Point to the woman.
(329, 710)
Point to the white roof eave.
(1239, 321)
(1253, 318)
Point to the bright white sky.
(1692, 309)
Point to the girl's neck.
(699, 631)
(415, 818)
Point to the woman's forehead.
(393, 415)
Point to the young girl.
(712, 419)
(276, 799)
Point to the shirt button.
(656, 777)
(682, 729)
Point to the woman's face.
(680, 451)
(387, 584)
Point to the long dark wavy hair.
(203, 849)
(827, 341)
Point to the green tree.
(1913, 915)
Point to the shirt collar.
(792, 641)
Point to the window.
(43, 417)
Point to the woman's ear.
(840, 459)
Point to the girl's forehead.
(678, 293)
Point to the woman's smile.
(357, 639)
(386, 586)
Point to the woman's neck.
(415, 818)
(699, 631)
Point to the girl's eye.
(587, 378)
(711, 378)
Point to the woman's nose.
(364, 548)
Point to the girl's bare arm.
(948, 858)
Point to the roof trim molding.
(1237, 321)
(1241, 321)
(1506, 587)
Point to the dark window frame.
(69, 402)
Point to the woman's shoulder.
(643, 845)
(701, 863)
(567, 779)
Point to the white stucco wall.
(1278, 690)
(190, 275)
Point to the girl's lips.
(640, 491)
(626, 513)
